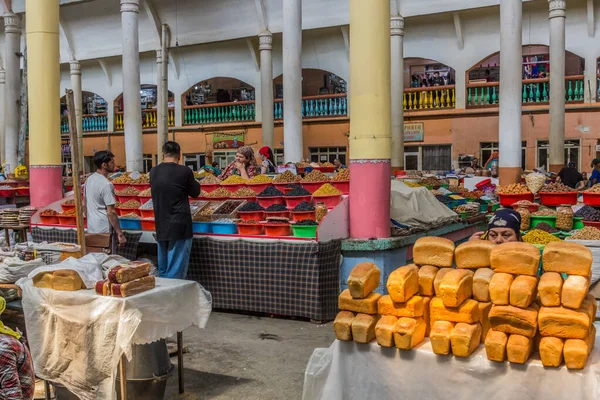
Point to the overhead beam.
(154, 18)
(253, 54)
(591, 19)
(459, 31)
(261, 12)
(107, 71)
(346, 35)
(65, 35)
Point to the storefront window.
(412, 158)
(224, 158)
(487, 148)
(437, 158)
(195, 161)
(572, 149)
(279, 158)
(147, 162)
(327, 154)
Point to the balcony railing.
(91, 123)
(429, 98)
(149, 119)
(329, 105)
(534, 91)
(217, 113)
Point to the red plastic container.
(124, 211)
(342, 186)
(144, 199)
(327, 169)
(67, 207)
(532, 208)
(277, 214)
(8, 192)
(147, 213)
(278, 229)
(507, 200)
(234, 188)
(293, 201)
(282, 186)
(330, 201)
(209, 188)
(23, 191)
(265, 202)
(252, 215)
(50, 220)
(125, 199)
(250, 229)
(302, 215)
(591, 199)
(313, 186)
(148, 225)
(557, 199)
(71, 221)
(141, 186)
(591, 223)
(120, 186)
(258, 187)
(248, 199)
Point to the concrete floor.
(248, 357)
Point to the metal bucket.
(62, 393)
(147, 372)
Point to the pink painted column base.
(45, 182)
(370, 182)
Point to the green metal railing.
(91, 123)
(329, 105)
(219, 113)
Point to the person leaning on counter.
(244, 165)
(504, 227)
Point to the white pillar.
(162, 59)
(511, 19)
(2, 95)
(460, 88)
(12, 66)
(131, 85)
(397, 84)
(557, 84)
(292, 80)
(266, 88)
(590, 81)
(78, 100)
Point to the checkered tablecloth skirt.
(277, 278)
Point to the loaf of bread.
(367, 305)
(409, 332)
(523, 291)
(103, 288)
(565, 323)
(363, 328)
(495, 346)
(456, 287)
(551, 351)
(465, 339)
(500, 288)
(384, 330)
(481, 284)
(574, 291)
(484, 319)
(514, 320)
(129, 272)
(403, 283)
(518, 349)
(414, 307)
(438, 279)
(577, 351)
(567, 257)
(134, 287)
(474, 254)
(427, 315)
(60, 279)
(440, 337)
(342, 325)
(591, 302)
(436, 251)
(516, 258)
(467, 312)
(427, 275)
(550, 289)
(363, 279)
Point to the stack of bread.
(567, 312)
(127, 280)
(61, 279)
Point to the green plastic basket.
(535, 220)
(302, 231)
(578, 223)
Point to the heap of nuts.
(131, 216)
(260, 179)
(68, 213)
(287, 177)
(219, 193)
(70, 202)
(123, 179)
(210, 180)
(243, 193)
(594, 189)
(144, 179)
(556, 187)
(315, 176)
(412, 184)
(342, 175)
(536, 236)
(129, 204)
(146, 193)
(564, 218)
(129, 191)
(431, 181)
(515, 188)
(586, 233)
(327, 190)
(545, 212)
(49, 213)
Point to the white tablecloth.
(77, 338)
(347, 370)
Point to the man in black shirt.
(570, 176)
(171, 185)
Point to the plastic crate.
(265, 202)
(305, 231)
(293, 201)
(130, 224)
(148, 224)
(312, 186)
(218, 214)
(224, 228)
(201, 227)
(330, 201)
(558, 199)
(278, 229)
(250, 229)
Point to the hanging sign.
(228, 140)
(413, 131)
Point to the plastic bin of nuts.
(205, 213)
(228, 210)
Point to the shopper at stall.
(505, 226)
(172, 184)
(267, 166)
(100, 200)
(595, 178)
(570, 177)
(214, 168)
(338, 165)
(17, 380)
(244, 165)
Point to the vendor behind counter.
(504, 227)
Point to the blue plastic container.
(201, 227)
(130, 224)
(224, 229)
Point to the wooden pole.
(76, 175)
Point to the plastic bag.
(12, 268)
(87, 267)
(535, 181)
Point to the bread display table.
(347, 370)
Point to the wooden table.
(20, 231)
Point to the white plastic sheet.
(13, 268)
(348, 371)
(87, 267)
(418, 207)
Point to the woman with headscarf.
(504, 227)
(268, 165)
(244, 165)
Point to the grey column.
(75, 69)
(397, 97)
(12, 91)
(266, 88)
(557, 84)
(2, 95)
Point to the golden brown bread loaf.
(409, 332)
(574, 291)
(495, 346)
(414, 307)
(456, 287)
(467, 312)
(523, 291)
(403, 283)
(518, 349)
(514, 320)
(363, 279)
(440, 337)
(577, 351)
(474, 254)
(129, 272)
(591, 300)
(551, 351)
(484, 319)
(134, 287)
(481, 284)
(366, 306)
(427, 275)
(438, 279)
(516, 258)
(465, 338)
(363, 328)
(567, 257)
(427, 315)
(435, 251)
(61, 279)
(384, 330)
(565, 323)
(500, 288)
(342, 325)
(550, 289)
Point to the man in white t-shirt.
(100, 198)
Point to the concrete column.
(2, 95)
(162, 60)
(12, 65)
(511, 50)
(557, 84)
(78, 100)
(131, 85)
(292, 80)
(370, 119)
(397, 97)
(266, 88)
(43, 73)
(460, 91)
